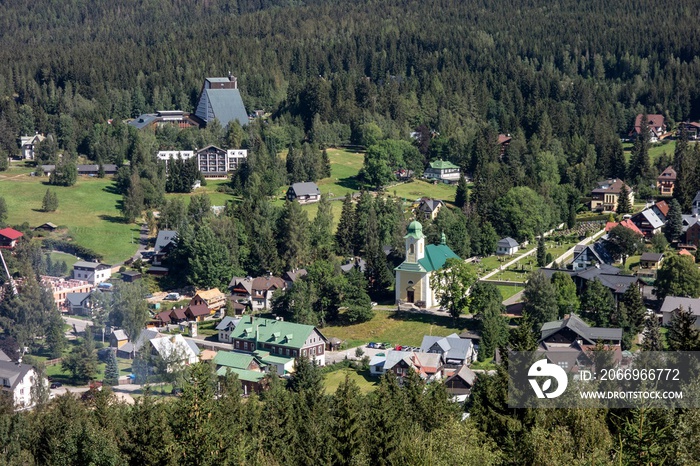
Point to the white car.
(172, 296)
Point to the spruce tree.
(673, 229)
(597, 303)
(112, 369)
(326, 162)
(540, 299)
(624, 206)
(640, 166)
(50, 201)
(322, 229)
(652, 335)
(346, 228)
(686, 166)
(541, 252)
(348, 423)
(293, 234)
(683, 335)
(462, 195)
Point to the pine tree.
(685, 164)
(50, 201)
(541, 252)
(624, 206)
(462, 195)
(634, 306)
(293, 234)
(640, 166)
(322, 229)
(540, 299)
(652, 335)
(683, 335)
(112, 369)
(597, 303)
(326, 161)
(673, 229)
(346, 228)
(348, 424)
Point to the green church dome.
(415, 230)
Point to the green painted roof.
(276, 359)
(442, 164)
(278, 332)
(248, 376)
(435, 256)
(410, 267)
(233, 359)
(415, 230)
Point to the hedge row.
(72, 248)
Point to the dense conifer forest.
(564, 78)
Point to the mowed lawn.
(397, 328)
(667, 145)
(89, 211)
(365, 382)
(418, 188)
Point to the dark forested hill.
(452, 65)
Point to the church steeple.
(415, 242)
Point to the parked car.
(56, 385)
(172, 296)
(371, 344)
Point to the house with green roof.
(274, 339)
(442, 170)
(413, 275)
(247, 367)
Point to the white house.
(226, 327)
(29, 144)
(507, 247)
(174, 349)
(91, 272)
(18, 379)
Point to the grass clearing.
(418, 188)
(509, 290)
(397, 328)
(87, 212)
(667, 146)
(69, 259)
(365, 382)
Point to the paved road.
(78, 324)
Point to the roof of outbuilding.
(507, 242)
(671, 303)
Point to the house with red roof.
(628, 223)
(656, 124)
(9, 238)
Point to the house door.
(410, 294)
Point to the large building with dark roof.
(413, 275)
(220, 99)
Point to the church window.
(410, 249)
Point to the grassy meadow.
(397, 328)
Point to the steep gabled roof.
(453, 346)
(13, 372)
(226, 105)
(198, 310)
(226, 321)
(429, 205)
(464, 373)
(669, 174)
(590, 334)
(164, 238)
